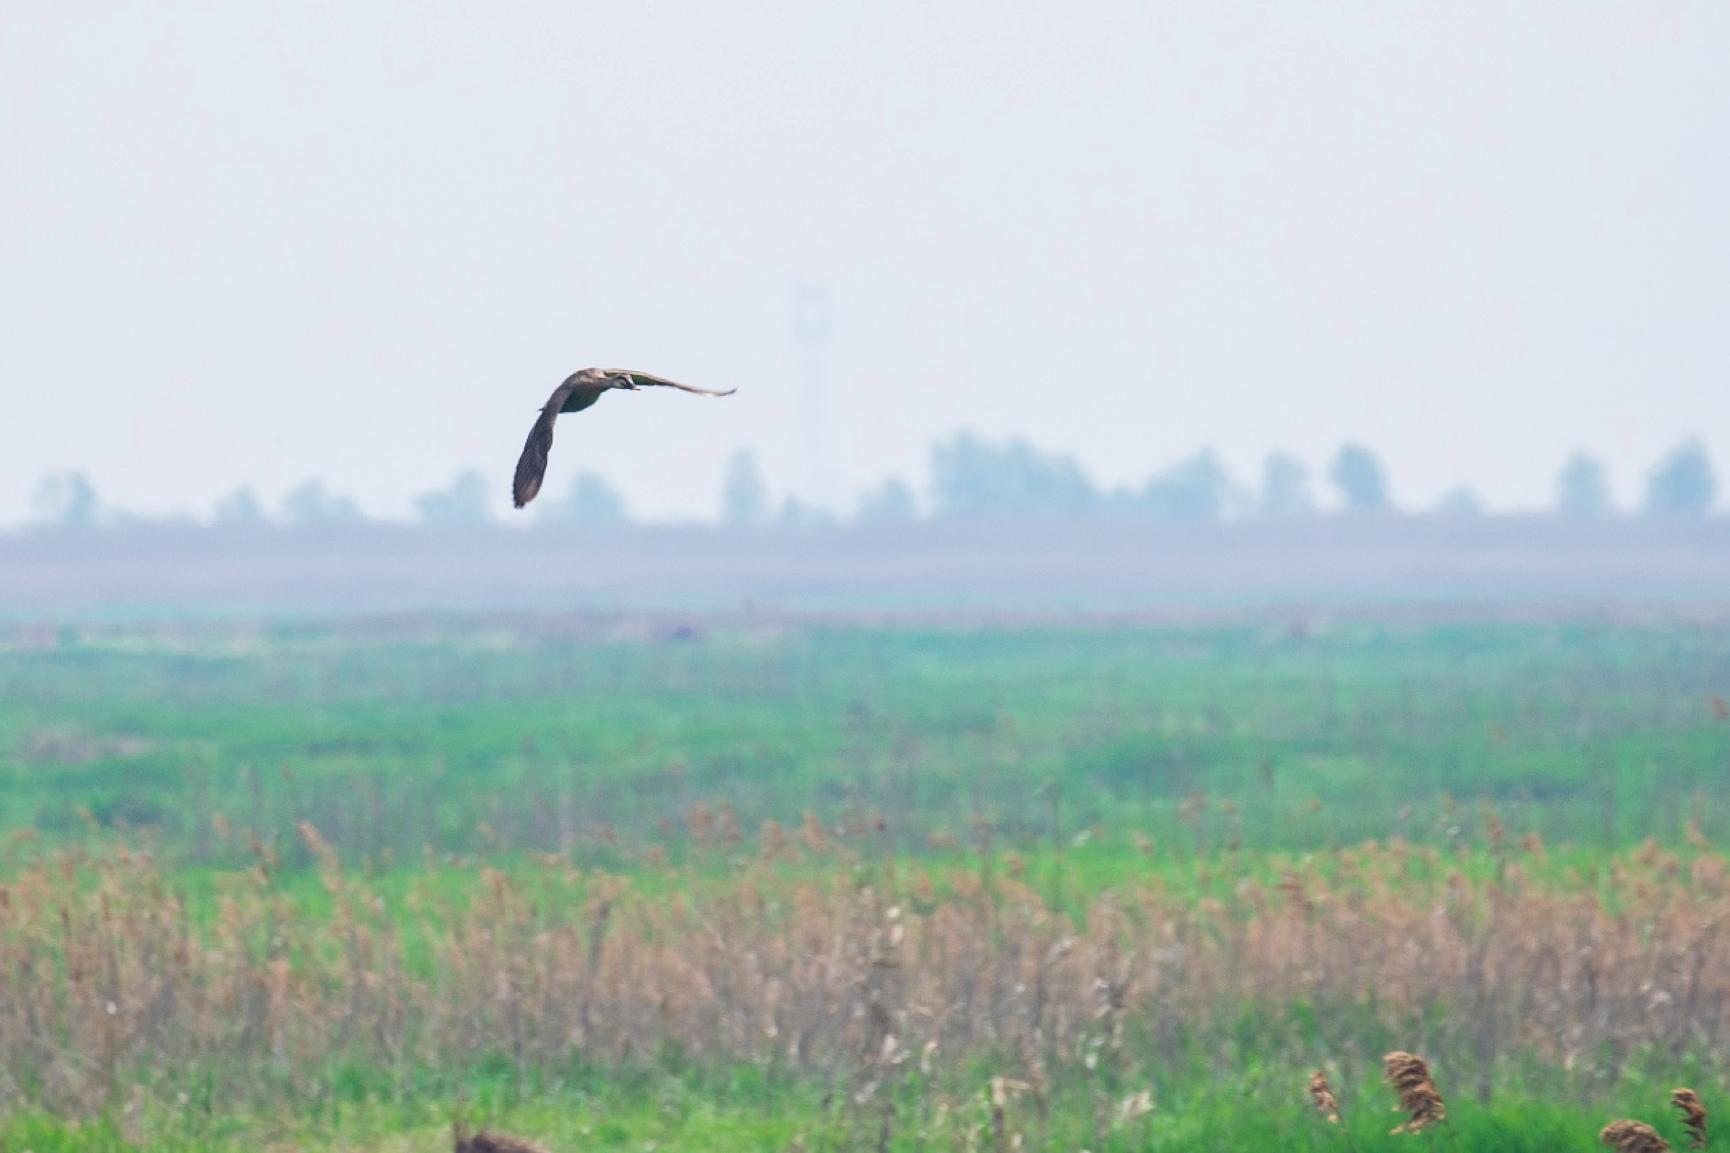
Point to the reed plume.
(1633, 1137)
(1323, 1095)
(1687, 1103)
(1419, 1098)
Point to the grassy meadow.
(742, 883)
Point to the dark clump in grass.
(487, 1141)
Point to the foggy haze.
(250, 245)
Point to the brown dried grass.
(106, 974)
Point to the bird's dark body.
(578, 401)
(579, 391)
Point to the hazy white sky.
(250, 243)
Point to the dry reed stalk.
(1693, 1112)
(1328, 1106)
(1291, 884)
(1419, 1098)
(1633, 1137)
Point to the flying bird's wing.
(643, 379)
(532, 465)
(577, 393)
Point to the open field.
(746, 883)
(580, 734)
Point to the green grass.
(465, 738)
(1264, 1109)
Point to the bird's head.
(621, 380)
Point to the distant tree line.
(971, 478)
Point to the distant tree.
(464, 502)
(239, 507)
(310, 504)
(1196, 489)
(975, 478)
(744, 495)
(1460, 502)
(891, 502)
(68, 500)
(1583, 487)
(1683, 483)
(590, 500)
(1285, 487)
(1362, 482)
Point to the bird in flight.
(580, 390)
